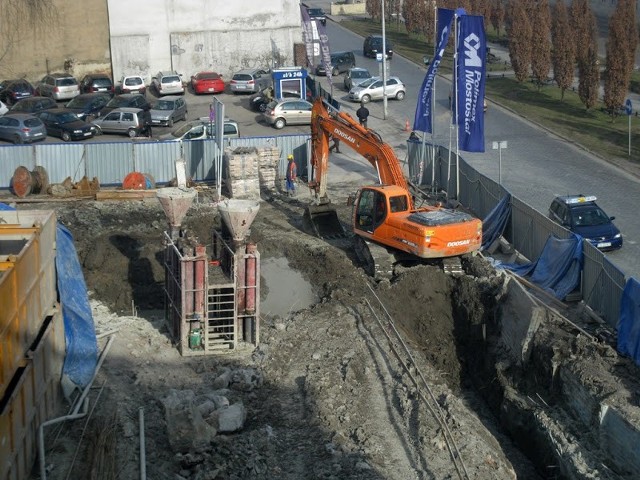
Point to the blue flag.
(424, 110)
(470, 78)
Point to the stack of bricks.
(250, 170)
(242, 178)
(268, 159)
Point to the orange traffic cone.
(407, 128)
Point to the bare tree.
(20, 16)
(589, 66)
(626, 13)
(579, 13)
(374, 9)
(497, 15)
(564, 48)
(540, 38)
(618, 66)
(519, 33)
(419, 17)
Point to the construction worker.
(292, 174)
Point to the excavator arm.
(327, 123)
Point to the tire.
(400, 95)
(279, 123)
(132, 132)
(335, 72)
(98, 131)
(17, 140)
(66, 137)
(185, 116)
(170, 123)
(262, 107)
(365, 99)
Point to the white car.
(168, 83)
(131, 84)
(3, 108)
(372, 90)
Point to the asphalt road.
(536, 165)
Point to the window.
(127, 117)
(398, 204)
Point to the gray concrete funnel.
(238, 215)
(175, 202)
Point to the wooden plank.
(125, 194)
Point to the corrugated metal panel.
(13, 156)
(602, 284)
(110, 162)
(156, 159)
(200, 157)
(61, 160)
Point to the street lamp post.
(499, 146)
(384, 67)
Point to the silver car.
(125, 121)
(168, 110)
(288, 112)
(22, 128)
(59, 86)
(372, 90)
(250, 80)
(355, 76)
(200, 130)
(168, 83)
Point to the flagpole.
(433, 99)
(455, 79)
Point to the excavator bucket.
(323, 221)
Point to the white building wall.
(195, 35)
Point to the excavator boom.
(384, 214)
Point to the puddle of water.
(287, 290)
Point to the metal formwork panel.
(34, 398)
(199, 156)
(27, 284)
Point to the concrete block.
(620, 439)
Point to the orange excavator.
(384, 218)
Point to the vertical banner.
(471, 74)
(424, 110)
(312, 29)
(309, 37)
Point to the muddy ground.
(325, 395)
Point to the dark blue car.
(87, 106)
(583, 216)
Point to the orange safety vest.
(291, 170)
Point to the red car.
(207, 82)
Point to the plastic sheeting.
(557, 269)
(494, 224)
(82, 347)
(629, 322)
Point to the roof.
(576, 199)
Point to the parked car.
(168, 110)
(372, 90)
(583, 216)
(64, 124)
(373, 45)
(259, 101)
(11, 91)
(340, 63)
(21, 128)
(59, 86)
(288, 112)
(355, 76)
(250, 80)
(167, 83)
(207, 82)
(87, 106)
(128, 100)
(317, 14)
(97, 82)
(201, 129)
(3, 108)
(125, 121)
(33, 105)
(131, 84)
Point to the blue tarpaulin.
(495, 222)
(557, 269)
(629, 321)
(82, 348)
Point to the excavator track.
(377, 260)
